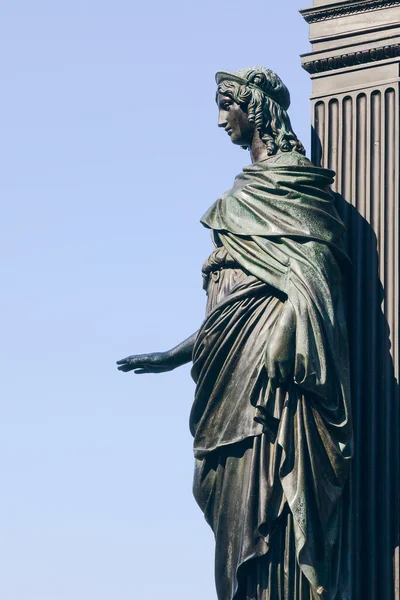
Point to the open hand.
(280, 351)
(156, 362)
(279, 360)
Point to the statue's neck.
(258, 150)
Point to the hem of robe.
(277, 527)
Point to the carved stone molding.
(345, 9)
(353, 58)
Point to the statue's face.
(235, 121)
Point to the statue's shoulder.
(289, 159)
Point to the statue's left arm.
(159, 362)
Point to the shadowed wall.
(355, 116)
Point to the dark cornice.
(362, 57)
(345, 9)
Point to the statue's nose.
(222, 121)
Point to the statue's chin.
(240, 142)
(243, 142)
(242, 145)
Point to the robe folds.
(272, 460)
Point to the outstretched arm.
(159, 362)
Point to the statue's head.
(256, 99)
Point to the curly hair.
(269, 118)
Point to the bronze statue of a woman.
(271, 415)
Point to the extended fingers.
(133, 361)
(125, 367)
(122, 361)
(284, 372)
(140, 369)
(278, 372)
(271, 369)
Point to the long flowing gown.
(272, 462)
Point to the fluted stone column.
(355, 71)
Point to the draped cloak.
(279, 224)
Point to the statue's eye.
(226, 106)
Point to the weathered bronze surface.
(271, 416)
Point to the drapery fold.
(279, 224)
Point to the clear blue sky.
(110, 154)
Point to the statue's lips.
(228, 131)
